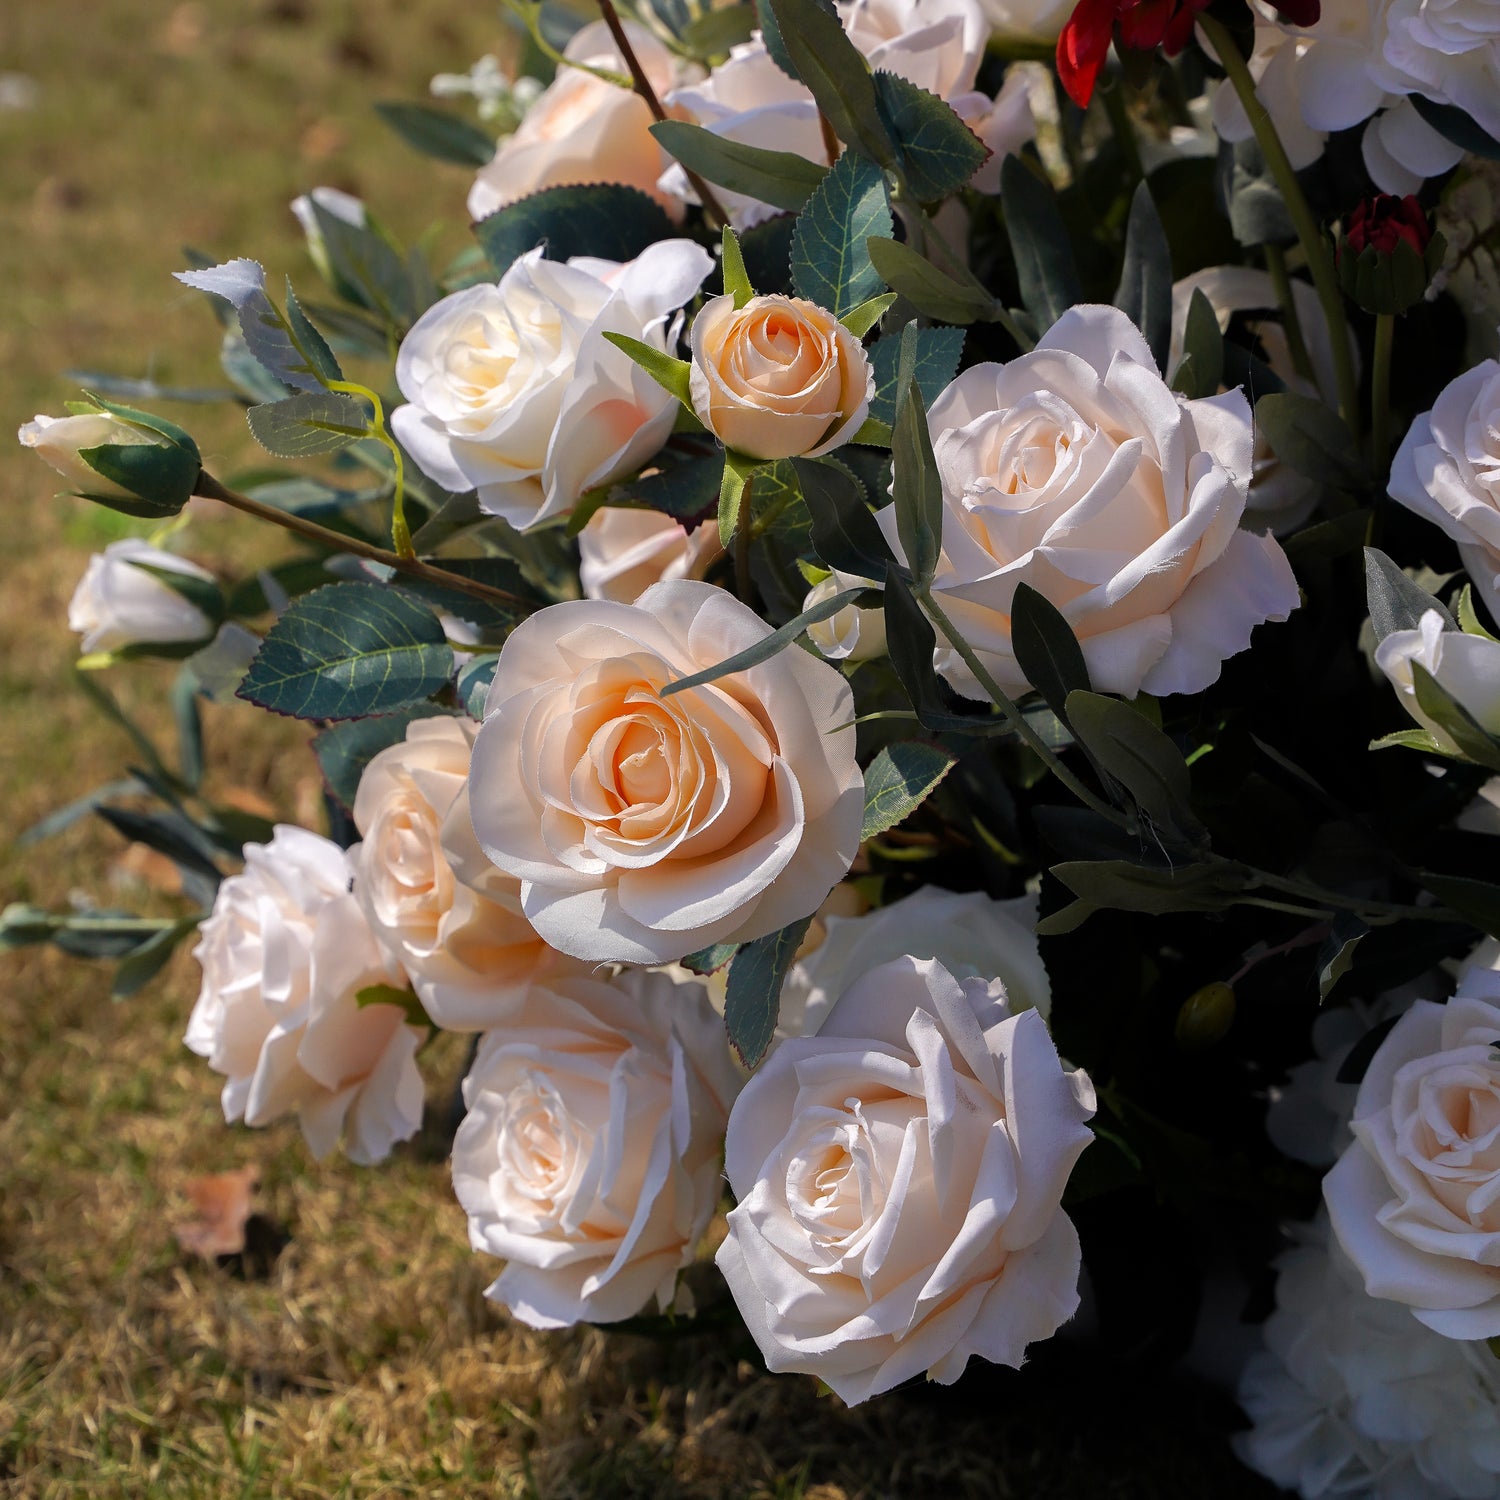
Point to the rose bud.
(779, 377)
(124, 599)
(1388, 253)
(1205, 1017)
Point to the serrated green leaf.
(1395, 601)
(348, 651)
(438, 133)
(932, 292)
(752, 998)
(1144, 294)
(1039, 242)
(830, 262)
(936, 153)
(603, 219)
(711, 959)
(938, 351)
(1046, 649)
(899, 780)
(312, 343)
(309, 424)
(366, 264)
(780, 178)
(687, 492)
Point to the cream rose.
(584, 129)
(643, 828)
(119, 602)
(1468, 666)
(467, 947)
(61, 441)
(623, 552)
(1447, 469)
(971, 934)
(1028, 20)
(1449, 52)
(589, 1156)
(1415, 1200)
(853, 634)
(900, 1179)
(284, 954)
(779, 377)
(1075, 469)
(516, 393)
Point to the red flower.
(1144, 25)
(1384, 221)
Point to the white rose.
(900, 1179)
(779, 377)
(971, 934)
(1028, 20)
(643, 828)
(853, 634)
(1448, 52)
(583, 129)
(119, 603)
(936, 44)
(284, 955)
(1468, 666)
(516, 393)
(1415, 1200)
(1447, 469)
(61, 440)
(623, 552)
(1077, 470)
(468, 949)
(589, 1156)
(1279, 496)
(1352, 1396)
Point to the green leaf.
(1477, 901)
(438, 133)
(830, 262)
(672, 375)
(899, 780)
(860, 320)
(160, 477)
(501, 573)
(1200, 372)
(603, 219)
(770, 30)
(780, 178)
(936, 152)
(1337, 951)
(834, 69)
(309, 424)
(938, 351)
(911, 639)
(142, 964)
(1410, 739)
(473, 683)
(309, 340)
(1142, 759)
(932, 292)
(711, 959)
(1395, 601)
(1311, 438)
(767, 248)
(767, 647)
(404, 1000)
(170, 833)
(738, 472)
(1153, 889)
(344, 750)
(1439, 705)
(845, 534)
(736, 281)
(686, 492)
(752, 998)
(714, 32)
(365, 264)
(1039, 241)
(1144, 294)
(347, 651)
(917, 487)
(1468, 617)
(1046, 649)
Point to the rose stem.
(712, 208)
(1314, 242)
(210, 489)
(1380, 394)
(1290, 322)
(744, 586)
(1124, 131)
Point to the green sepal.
(738, 469)
(404, 1000)
(860, 320)
(736, 278)
(161, 477)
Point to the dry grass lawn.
(365, 1362)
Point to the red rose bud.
(1143, 26)
(1387, 254)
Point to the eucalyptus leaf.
(1311, 438)
(779, 178)
(1394, 600)
(1337, 951)
(918, 488)
(1439, 705)
(1047, 651)
(1153, 889)
(1144, 294)
(1201, 370)
(1039, 241)
(932, 292)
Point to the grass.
(367, 1363)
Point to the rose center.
(540, 1141)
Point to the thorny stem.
(1013, 715)
(711, 205)
(1314, 242)
(210, 489)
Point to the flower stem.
(1380, 394)
(210, 489)
(744, 585)
(1290, 322)
(400, 531)
(1315, 245)
(711, 206)
(1113, 94)
(1013, 715)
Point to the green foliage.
(844, 533)
(1144, 294)
(780, 178)
(344, 750)
(1395, 601)
(736, 279)
(310, 424)
(830, 262)
(607, 220)
(932, 292)
(935, 363)
(1046, 649)
(936, 153)
(671, 374)
(1312, 438)
(917, 487)
(1039, 241)
(349, 650)
(437, 133)
(753, 994)
(900, 778)
(1200, 372)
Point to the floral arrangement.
(905, 645)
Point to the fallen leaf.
(222, 1200)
